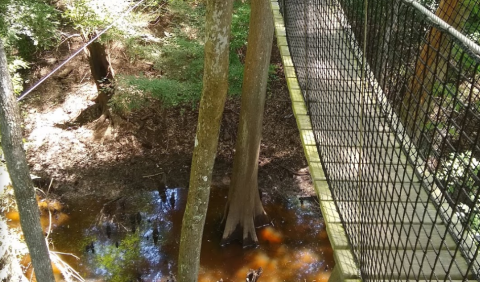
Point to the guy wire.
(77, 52)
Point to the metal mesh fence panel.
(393, 92)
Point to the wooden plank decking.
(394, 209)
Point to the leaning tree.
(12, 145)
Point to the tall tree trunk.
(215, 86)
(432, 65)
(102, 73)
(11, 137)
(244, 208)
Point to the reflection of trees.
(120, 264)
(122, 254)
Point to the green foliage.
(272, 72)
(28, 25)
(240, 21)
(444, 90)
(472, 26)
(235, 76)
(151, 4)
(14, 66)
(180, 57)
(464, 59)
(170, 92)
(459, 169)
(91, 16)
(458, 174)
(84, 17)
(127, 96)
(185, 14)
(272, 77)
(239, 31)
(182, 60)
(136, 49)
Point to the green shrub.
(15, 65)
(180, 57)
(131, 92)
(127, 97)
(457, 174)
(26, 26)
(240, 21)
(235, 76)
(182, 60)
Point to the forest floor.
(124, 155)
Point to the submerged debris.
(253, 275)
(133, 222)
(139, 218)
(155, 234)
(172, 201)
(90, 247)
(109, 231)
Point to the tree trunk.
(215, 86)
(432, 65)
(244, 209)
(11, 137)
(102, 73)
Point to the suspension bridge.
(386, 97)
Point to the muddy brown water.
(136, 238)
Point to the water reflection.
(136, 237)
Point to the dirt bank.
(109, 159)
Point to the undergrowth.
(134, 93)
(179, 55)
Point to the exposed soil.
(123, 155)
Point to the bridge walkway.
(393, 207)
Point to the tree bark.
(215, 86)
(432, 65)
(102, 73)
(11, 137)
(244, 209)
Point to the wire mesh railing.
(393, 91)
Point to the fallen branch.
(69, 274)
(151, 175)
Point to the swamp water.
(136, 238)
